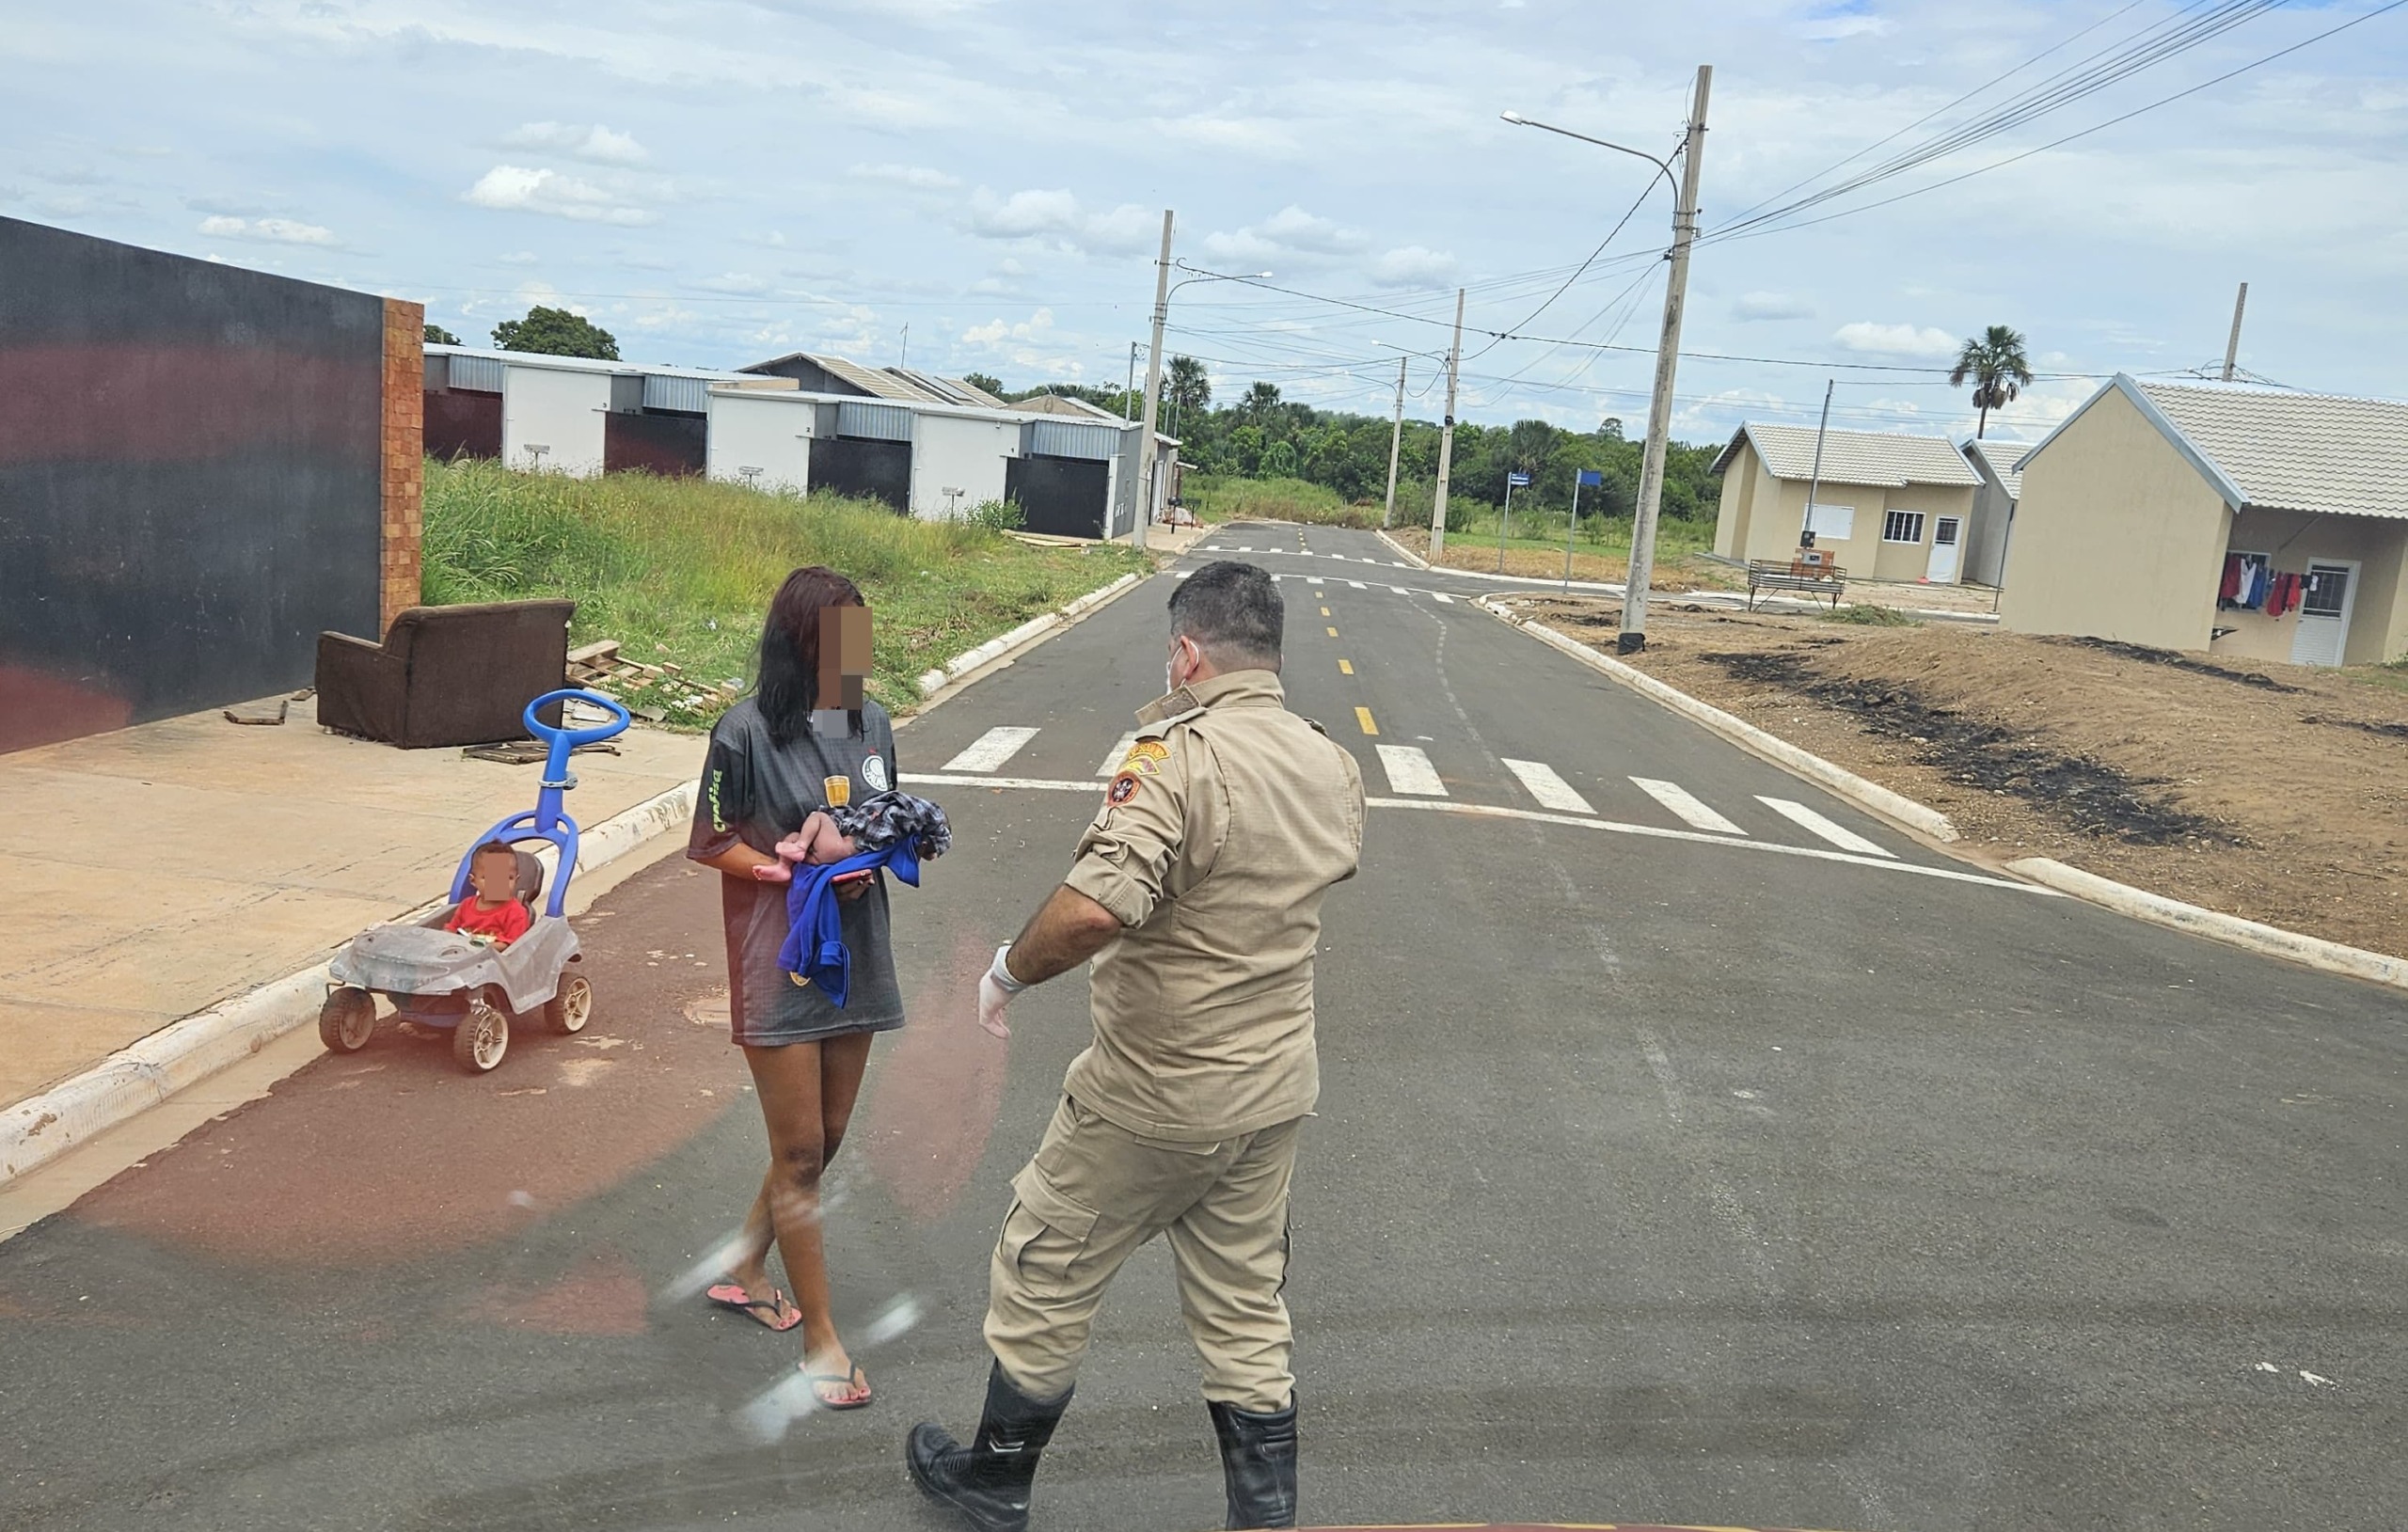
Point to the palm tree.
(1998, 367)
(1188, 389)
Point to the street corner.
(392, 1152)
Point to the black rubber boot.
(988, 1480)
(1258, 1463)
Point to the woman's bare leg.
(807, 1092)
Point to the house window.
(1902, 526)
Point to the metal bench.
(1780, 575)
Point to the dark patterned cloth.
(890, 817)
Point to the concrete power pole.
(1154, 390)
(1668, 358)
(1396, 439)
(2232, 346)
(1447, 439)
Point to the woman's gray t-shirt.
(758, 792)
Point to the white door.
(1942, 568)
(2325, 614)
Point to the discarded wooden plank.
(595, 652)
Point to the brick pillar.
(404, 457)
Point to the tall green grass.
(1215, 497)
(680, 570)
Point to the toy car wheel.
(570, 1005)
(347, 1020)
(481, 1039)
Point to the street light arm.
(1662, 166)
(1203, 275)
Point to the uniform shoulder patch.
(1146, 757)
(1124, 788)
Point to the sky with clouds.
(723, 181)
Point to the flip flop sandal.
(772, 1313)
(856, 1377)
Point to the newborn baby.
(818, 841)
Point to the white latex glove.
(996, 987)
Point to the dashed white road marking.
(1358, 585)
(1839, 835)
(1410, 771)
(1119, 753)
(1685, 803)
(1444, 599)
(1400, 589)
(1551, 790)
(991, 750)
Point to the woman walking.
(777, 755)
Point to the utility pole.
(1129, 394)
(1396, 439)
(1447, 439)
(1154, 390)
(2232, 346)
(905, 360)
(1668, 358)
(1814, 485)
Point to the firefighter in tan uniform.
(1198, 892)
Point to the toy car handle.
(550, 735)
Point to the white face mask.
(1170, 672)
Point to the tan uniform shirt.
(1224, 827)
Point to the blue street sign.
(1519, 480)
(1590, 479)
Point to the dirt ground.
(2272, 791)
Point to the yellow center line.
(1363, 716)
(1346, 667)
(1333, 633)
(1324, 612)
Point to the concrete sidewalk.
(150, 873)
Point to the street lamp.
(1667, 348)
(1155, 365)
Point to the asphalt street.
(1681, 1158)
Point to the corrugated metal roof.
(879, 423)
(2002, 456)
(1855, 457)
(2295, 452)
(1049, 437)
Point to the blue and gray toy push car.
(444, 979)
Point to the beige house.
(1891, 507)
(2244, 521)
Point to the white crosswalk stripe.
(1551, 791)
(991, 750)
(1410, 771)
(1119, 753)
(1839, 835)
(1686, 804)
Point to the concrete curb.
(1020, 638)
(2233, 931)
(1400, 550)
(134, 1079)
(1869, 796)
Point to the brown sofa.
(446, 675)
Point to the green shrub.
(1866, 615)
(998, 515)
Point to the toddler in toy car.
(492, 913)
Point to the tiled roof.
(2295, 452)
(2002, 456)
(1855, 457)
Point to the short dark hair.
(1234, 614)
(490, 848)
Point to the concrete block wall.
(402, 523)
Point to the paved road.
(1663, 1173)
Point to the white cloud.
(519, 189)
(1414, 265)
(520, 258)
(1759, 305)
(1290, 233)
(593, 143)
(918, 177)
(267, 230)
(1244, 135)
(997, 330)
(1055, 217)
(1895, 339)
(1847, 21)
(735, 281)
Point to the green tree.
(1189, 390)
(985, 381)
(437, 335)
(1260, 403)
(1996, 363)
(556, 332)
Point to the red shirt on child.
(505, 924)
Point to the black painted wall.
(672, 446)
(876, 471)
(189, 480)
(1063, 497)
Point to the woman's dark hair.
(786, 686)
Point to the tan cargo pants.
(1093, 1195)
